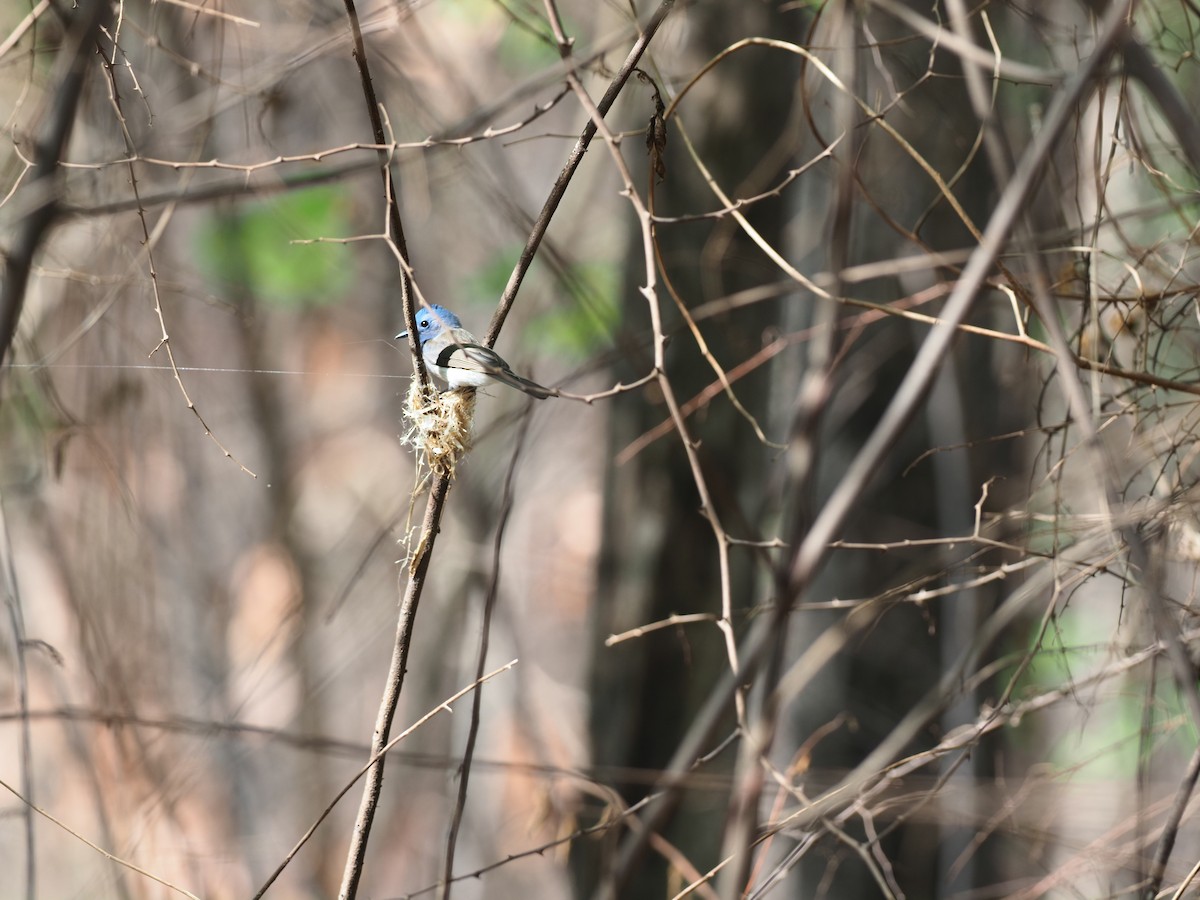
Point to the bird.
(454, 355)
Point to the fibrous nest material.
(439, 425)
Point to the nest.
(439, 425)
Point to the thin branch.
(79, 837)
(559, 189)
(968, 52)
(236, 187)
(377, 756)
(672, 621)
(149, 241)
(1140, 64)
(812, 399)
(644, 213)
(14, 36)
(207, 11)
(418, 569)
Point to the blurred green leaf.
(490, 280)
(523, 50)
(525, 46)
(586, 324)
(1076, 645)
(577, 326)
(252, 247)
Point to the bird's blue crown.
(433, 319)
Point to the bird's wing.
(470, 356)
(477, 358)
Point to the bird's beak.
(402, 334)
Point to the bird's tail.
(532, 388)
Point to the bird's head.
(432, 321)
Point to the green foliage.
(1078, 643)
(526, 43)
(576, 327)
(25, 419)
(523, 50)
(586, 324)
(252, 248)
(491, 280)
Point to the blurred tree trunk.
(659, 556)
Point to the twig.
(670, 621)
(114, 718)
(207, 11)
(744, 202)
(644, 212)
(1188, 134)
(148, 243)
(968, 52)
(1142, 66)
(618, 388)
(420, 565)
(812, 551)
(234, 187)
(539, 850)
(876, 311)
(489, 133)
(292, 181)
(919, 377)
(849, 791)
(723, 378)
(79, 837)
(23, 26)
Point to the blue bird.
(454, 355)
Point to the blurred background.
(207, 507)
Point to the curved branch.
(568, 172)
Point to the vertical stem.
(391, 694)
